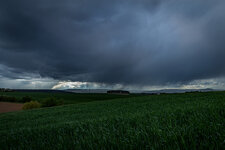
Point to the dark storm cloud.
(135, 42)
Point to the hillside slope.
(186, 121)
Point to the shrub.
(49, 102)
(26, 99)
(31, 105)
(8, 99)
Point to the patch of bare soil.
(8, 107)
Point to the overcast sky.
(117, 44)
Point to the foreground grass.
(177, 121)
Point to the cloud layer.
(135, 42)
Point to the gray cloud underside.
(135, 42)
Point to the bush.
(8, 99)
(26, 99)
(49, 102)
(31, 105)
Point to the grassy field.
(68, 98)
(170, 121)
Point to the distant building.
(5, 90)
(118, 92)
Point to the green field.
(170, 121)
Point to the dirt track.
(8, 107)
